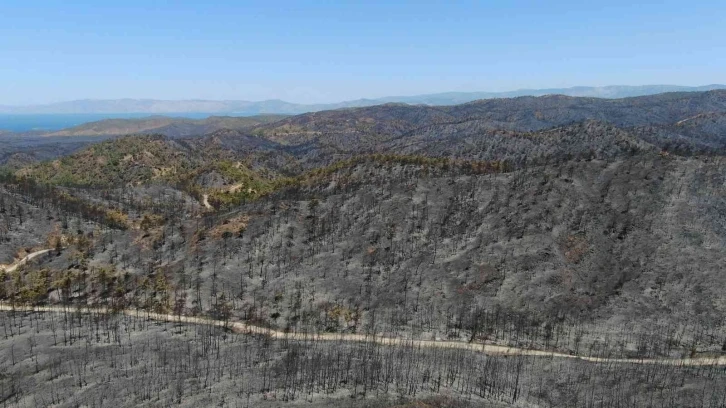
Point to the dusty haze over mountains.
(152, 106)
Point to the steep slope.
(19, 150)
(605, 242)
(704, 133)
(474, 140)
(588, 140)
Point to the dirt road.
(17, 264)
(205, 202)
(492, 349)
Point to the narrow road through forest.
(17, 264)
(492, 349)
(205, 202)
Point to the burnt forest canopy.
(367, 256)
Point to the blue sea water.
(50, 122)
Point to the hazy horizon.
(503, 93)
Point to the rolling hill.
(169, 126)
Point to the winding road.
(205, 202)
(18, 263)
(240, 327)
(491, 349)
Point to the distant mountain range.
(154, 106)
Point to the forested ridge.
(577, 226)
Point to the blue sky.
(330, 51)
